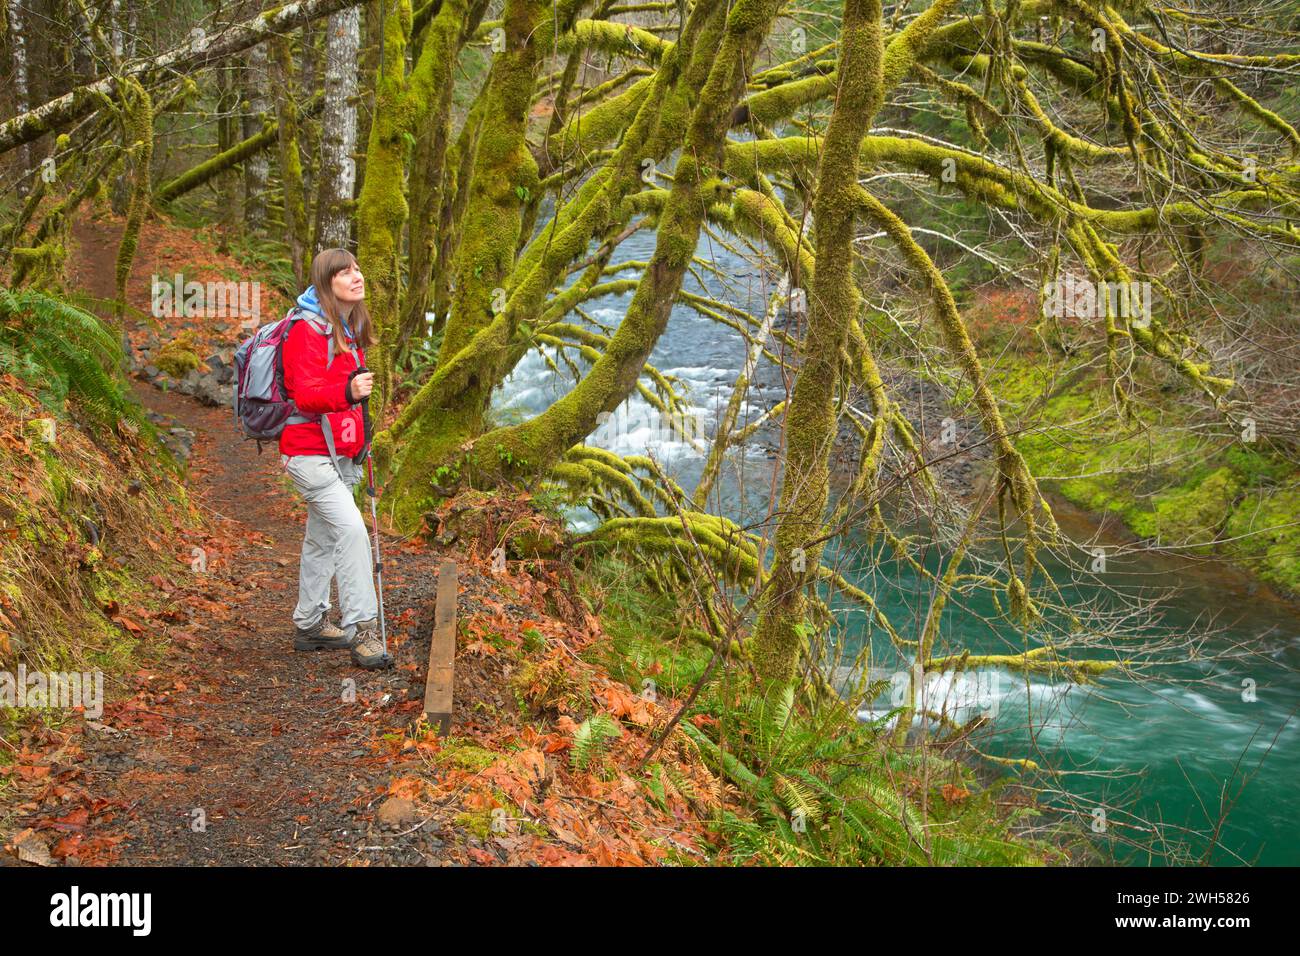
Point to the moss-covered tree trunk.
(373, 60)
(381, 206)
(457, 173)
(810, 427)
(504, 175)
(402, 106)
(653, 124)
(429, 175)
(537, 444)
(137, 114)
(295, 206)
(598, 208)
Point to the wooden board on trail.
(442, 651)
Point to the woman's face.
(349, 285)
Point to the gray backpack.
(262, 405)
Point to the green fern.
(796, 796)
(655, 784)
(825, 790)
(592, 739)
(66, 354)
(270, 259)
(682, 784)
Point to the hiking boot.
(321, 636)
(368, 649)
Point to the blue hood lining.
(307, 300)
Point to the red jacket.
(316, 389)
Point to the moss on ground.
(1166, 482)
(1263, 534)
(178, 356)
(464, 754)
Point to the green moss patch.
(1164, 480)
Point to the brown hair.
(327, 264)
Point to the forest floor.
(224, 746)
(230, 748)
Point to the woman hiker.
(322, 358)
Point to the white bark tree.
(338, 175)
(22, 98)
(257, 168)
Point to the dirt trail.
(232, 748)
(256, 737)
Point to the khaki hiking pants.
(336, 544)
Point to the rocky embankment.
(209, 380)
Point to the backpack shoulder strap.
(329, 445)
(295, 315)
(298, 418)
(299, 313)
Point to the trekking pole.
(374, 512)
(379, 564)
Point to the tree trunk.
(22, 100)
(833, 306)
(115, 29)
(312, 42)
(227, 104)
(83, 65)
(291, 174)
(257, 168)
(338, 169)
